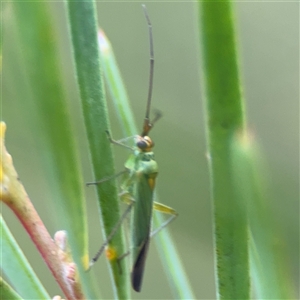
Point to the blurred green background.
(269, 57)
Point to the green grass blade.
(16, 267)
(7, 292)
(175, 271)
(173, 267)
(224, 117)
(116, 86)
(268, 260)
(83, 26)
(45, 103)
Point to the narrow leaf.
(46, 108)
(16, 267)
(225, 117)
(7, 292)
(269, 264)
(83, 26)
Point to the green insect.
(137, 189)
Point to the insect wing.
(141, 226)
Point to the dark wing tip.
(138, 268)
(136, 283)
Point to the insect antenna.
(147, 124)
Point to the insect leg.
(111, 235)
(120, 142)
(126, 197)
(166, 210)
(107, 178)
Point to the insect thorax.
(147, 162)
(147, 156)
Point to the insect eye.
(145, 143)
(142, 144)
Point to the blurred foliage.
(268, 35)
